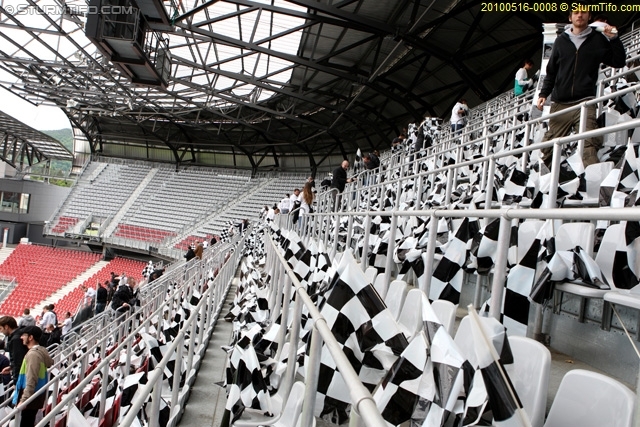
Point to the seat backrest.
(527, 232)
(395, 296)
(446, 312)
(529, 374)
(293, 407)
(572, 234)
(378, 284)
(370, 273)
(410, 318)
(464, 340)
(613, 236)
(594, 175)
(589, 399)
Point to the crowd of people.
(297, 204)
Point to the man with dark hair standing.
(101, 298)
(572, 73)
(27, 319)
(13, 345)
(33, 376)
(523, 82)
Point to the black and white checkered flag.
(625, 263)
(575, 266)
(520, 279)
(366, 331)
(506, 408)
(446, 282)
(483, 248)
(426, 383)
(246, 387)
(515, 186)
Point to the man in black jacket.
(572, 73)
(14, 345)
(339, 181)
(101, 298)
(122, 298)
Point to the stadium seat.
(589, 399)
(446, 312)
(529, 374)
(604, 258)
(394, 299)
(410, 317)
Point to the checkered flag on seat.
(427, 383)
(446, 282)
(520, 279)
(246, 387)
(505, 405)
(625, 263)
(576, 266)
(366, 331)
(515, 186)
(483, 248)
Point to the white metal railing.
(321, 333)
(410, 170)
(77, 351)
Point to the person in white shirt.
(285, 204)
(271, 214)
(67, 324)
(48, 318)
(89, 295)
(523, 82)
(459, 116)
(295, 197)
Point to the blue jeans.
(457, 128)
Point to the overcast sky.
(40, 118)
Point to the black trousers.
(28, 417)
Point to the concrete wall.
(43, 202)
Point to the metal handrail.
(360, 396)
(97, 335)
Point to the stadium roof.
(259, 80)
(24, 146)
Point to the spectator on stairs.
(33, 376)
(102, 297)
(572, 73)
(199, 249)
(522, 80)
(13, 345)
(27, 319)
(48, 317)
(285, 204)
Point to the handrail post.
(284, 313)
(431, 250)
(490, 182)
(177, 374)
(582, 128)
(156, 396)
(311, 378)
(499, 274)
(336, 235)
(365, 244)
(390, 248)
(192, 343)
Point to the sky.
(40, 118)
